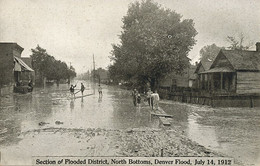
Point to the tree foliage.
(238, 43)
(209, 52)
(47, 66)
(154, 42)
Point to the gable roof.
(205, 63)
(242, 59)
(192, 75)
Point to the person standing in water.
(156, 99)
(82, 89)
(134, 93)
(138, 99)
(72, 88)
(149, 97)
(100, 91)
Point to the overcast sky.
(74, 30)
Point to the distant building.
(184, 80)
(102, 75)
(12, 67)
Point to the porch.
(217, 81)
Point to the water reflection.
(232, 131)
(71, 105)
(196, 131)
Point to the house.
(179, 81)
(202, 66)
(233, 72)
(11, 66)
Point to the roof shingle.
(243, 60)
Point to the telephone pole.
(94, 72)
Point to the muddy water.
(234, 132)
(231, 131)
(53, 107)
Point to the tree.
(47, 66)
(238, 43)
(209, 52)
(154, 42)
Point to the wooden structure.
(232, 79)
(233, 72)
(204, 65)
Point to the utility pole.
(94, 73)
(69, 75)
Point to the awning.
(24, 66)
(219, 70)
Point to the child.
(149, 97)
(82, 88)
(72, 88)
(100, 91)
(134, 95)
(138, 99)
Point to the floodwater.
(234, 132)
(114, 110)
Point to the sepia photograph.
(129, 82)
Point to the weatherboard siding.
(248, 82)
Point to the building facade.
(233, 72)
(12, 67)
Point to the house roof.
(12, 44)
(205, 63)
(219, 69)
(242, 59)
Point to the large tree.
(154, 42)
(209, 52)
(47, 66)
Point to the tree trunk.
(154, 84)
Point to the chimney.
(257, 46)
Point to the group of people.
(72, 89)
(82, 88)
(21, 83)
(152, 98)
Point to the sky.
(75, 30)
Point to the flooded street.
(231, 131)
(67, 124)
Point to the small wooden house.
(233, 72)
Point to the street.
(49, 122)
